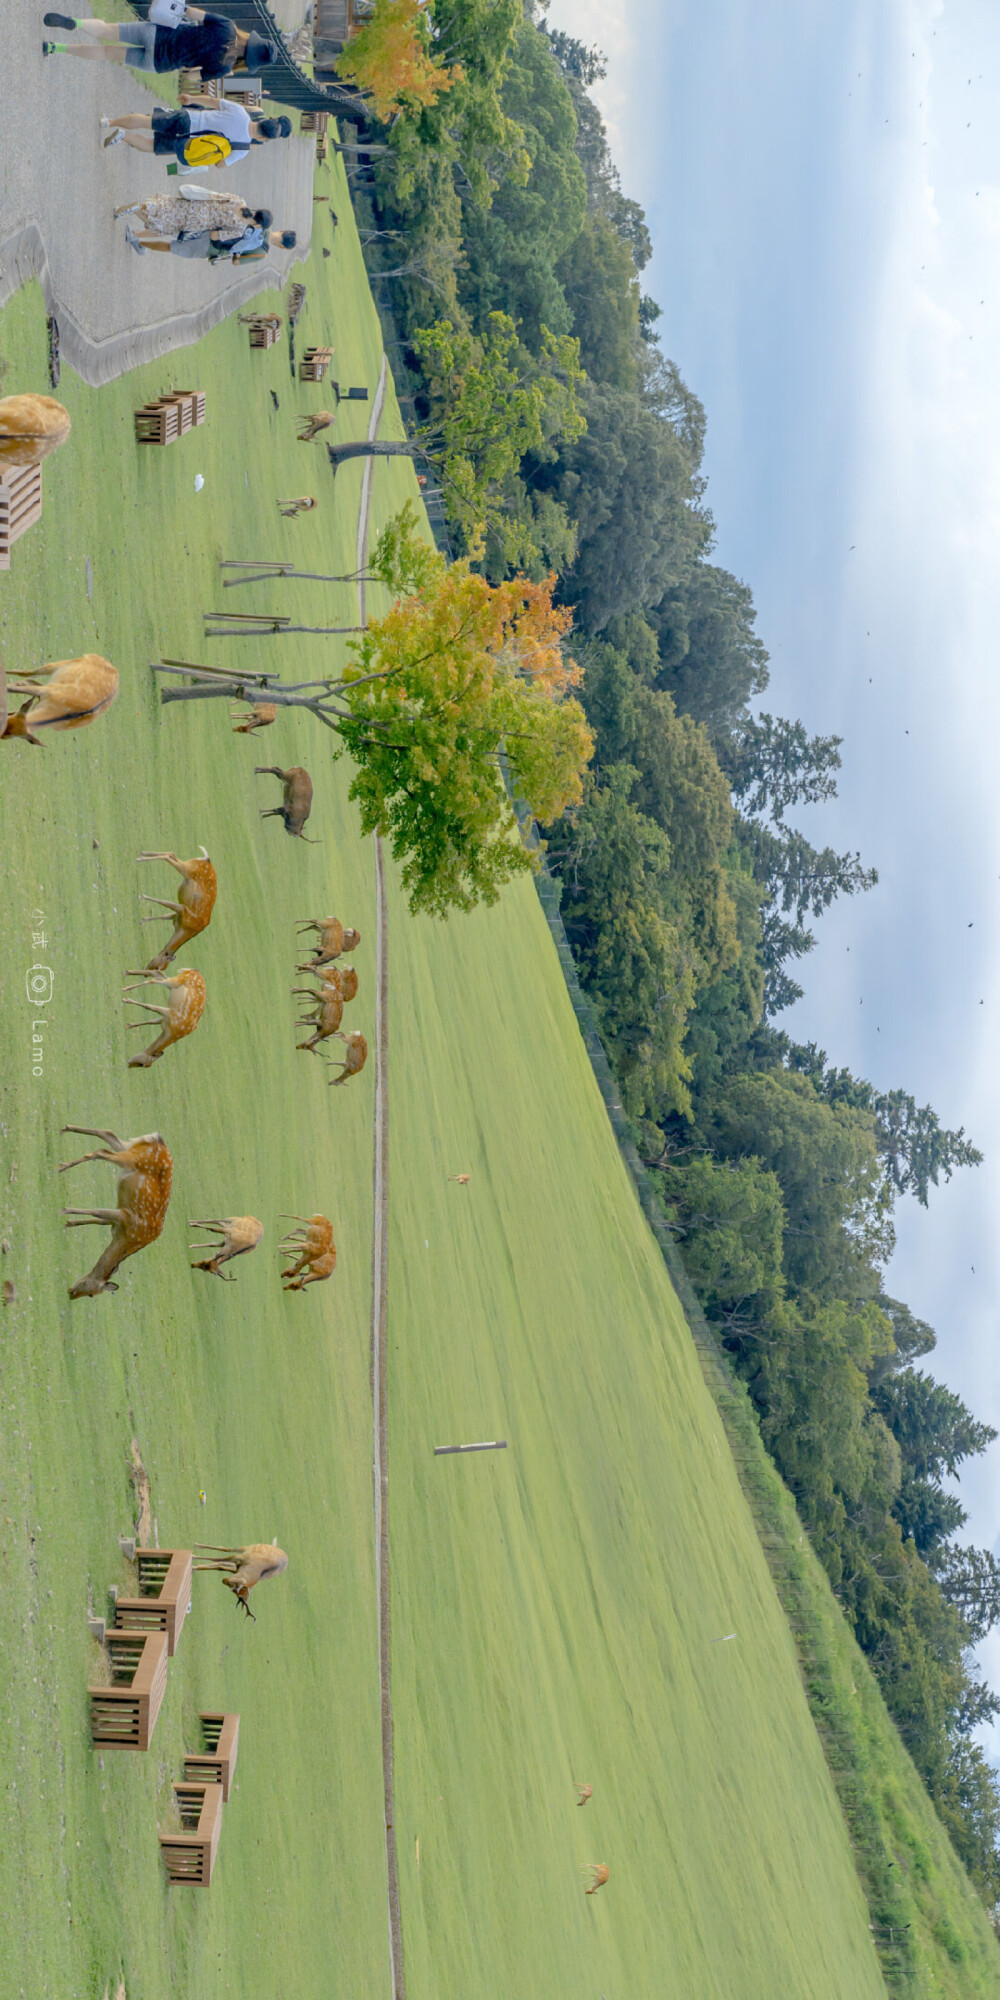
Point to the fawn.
(239, 1233)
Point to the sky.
(821, 180)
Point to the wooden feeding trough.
(190, 1854)
(20, 505)
(265, 329)
(164, 1595)
(125, 1711)
(170, 416)
(314, 363)
(217, 1762)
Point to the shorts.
(140, 41)
(170, 129)
(197, 245)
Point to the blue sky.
(822, 183)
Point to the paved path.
(380, 1258)
(57, 193)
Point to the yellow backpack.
(206, 149)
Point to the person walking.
(197, 223)
(205, 132)
(204, 41)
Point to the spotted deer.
(333, 940)
(599, 1872)
(260, 716)
(75, 693)
(312, 1249)
(180, 1016)
(355, 1059)
(343, 977)
(192, 911)
(143, 1196)
(325, 1017)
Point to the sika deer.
(143, 1195)
(583, 1792)
(343, 977)
(314, 1246)
(247, 1567)
(180, 1016)
(319, 421)
(239, 1233)
(304, 504)
(355, 1059)
(30, 427)
(193, 909)
(333, 938)
(296, 804)
(600, 1872)
(76, 693)
(260, 716)
(326, 1016)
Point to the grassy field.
(562, 1610)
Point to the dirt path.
(380, 1256)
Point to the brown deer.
(260, 716)
(334, 939)
(30, 427)
(311, 426)
(583, 1793)
(343, 977)
(297, 795)
(312, 1247)
(303, 505)
(193, 909)
(326, 1016)
(239, 1233)
(76, 693)
(600, 1872)
(143, 1195)
(355, 1059)
(246, 1567)
(180, 1016)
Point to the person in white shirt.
(166, 133)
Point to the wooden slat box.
(164, 1598)
(264, 332)
(157, 423)
(315, 363)
(125, 1712)
(221, 1737)
(20, 505)
(190, 1856)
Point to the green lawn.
(560, 1610)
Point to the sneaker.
(48, 48)
(133, 241)
(59, 20)
(114, 138)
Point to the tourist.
(190, 134)
(195, 223)
(204, 41)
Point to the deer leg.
(81, 1216)
(148, 1004)
(163, 904)
(172, 858)
(268, 771)
(94, 1132)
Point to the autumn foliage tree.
(391, 59)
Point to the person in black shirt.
(206, 42)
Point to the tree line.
(688, 893)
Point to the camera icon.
(38, 980)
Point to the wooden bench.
(190, 1856)
(125, 1711)
(20, 505)
(170, 416)
(221, 1738)
(164, 1598)
(314, 363)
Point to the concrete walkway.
(59, 188)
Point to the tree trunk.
(375, 448)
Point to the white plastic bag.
(167, 13)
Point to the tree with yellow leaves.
(390, 58)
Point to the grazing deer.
(180, 1016)
(259, 717)
(600, 1872)
(343, 977)
(355, 1059)
(193, 909)
(334, 939)
(76, 693)
(303, 505)
(583, 1793)
(296, 803)
(313, 1248)
(246, 1567)
(311, 426)
(325, 1017)
(143, 1195)
(463, 1181)
(239, 1233)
